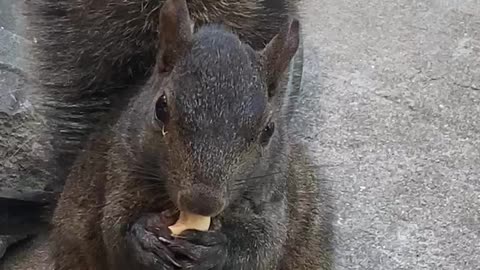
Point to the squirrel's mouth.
(194, 208)
(201, 200)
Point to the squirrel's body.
(207, 134)
(303, 228)
(91, 56)
(102, 65)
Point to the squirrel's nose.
(201, 200)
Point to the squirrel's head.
(211, 116)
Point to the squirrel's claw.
(147, 248)
(201, 250)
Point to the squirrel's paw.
(147, 240)
(198, 250)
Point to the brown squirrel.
(206, 134)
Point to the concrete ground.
(392, 113)
(393, 104)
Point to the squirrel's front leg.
(253, 241)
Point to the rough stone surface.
(392, 113)
(22, 148)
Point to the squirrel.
(90, 57)
(206, 134)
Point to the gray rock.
(6, 241)
(23, 149)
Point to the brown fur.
(309, 228)
(96, 55)
(310, 213)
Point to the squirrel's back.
(90, 56)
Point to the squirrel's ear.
(278, 53)
(175, 32)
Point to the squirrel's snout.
(201, 200)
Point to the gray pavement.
(393, 107)
(391, 111)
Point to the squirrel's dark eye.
(161, 110)
(267, 133)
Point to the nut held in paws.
(189, 221)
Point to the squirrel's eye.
(267, 133)
(161, 110)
